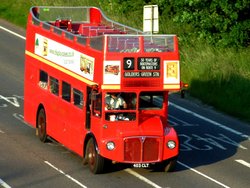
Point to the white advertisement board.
(64, 56)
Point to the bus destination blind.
(147, 67)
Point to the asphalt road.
(214, 147)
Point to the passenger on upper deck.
(115, 102)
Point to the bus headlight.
(171, 144)
(110, 145)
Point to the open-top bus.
(75, 59)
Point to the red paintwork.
(65, 122)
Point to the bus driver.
(115, 102)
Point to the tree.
(220, 22)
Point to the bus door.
(88, 107)
(95, 110)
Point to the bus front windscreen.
(151, 100)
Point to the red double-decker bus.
(101, 88)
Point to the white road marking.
(3, 106)
(19, 97)
(3, 184)
(13, 33)
(210, 121)
(243, 162)
(204, 175)
(66, 175)
(1, 131)
(20, 118)
(14, 101)
(130, 171)
(184, 123)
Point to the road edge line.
(12, 32)
(3, 184)
(211, 121)
(137, 175)
(204, 175)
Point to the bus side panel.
(30, 107)
(77, 130)
(54, 119)
(97, 128)
(62, 128)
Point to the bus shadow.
(208, 140)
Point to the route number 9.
(128, 63)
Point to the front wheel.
(41, 125)
(95, 161)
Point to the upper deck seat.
(90, 30)
(64, 24)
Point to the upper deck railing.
(90, 27)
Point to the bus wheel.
(166, 166)
(41, 125)
(95, 161)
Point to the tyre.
(41, 125)
(166, 166)
(95, 161)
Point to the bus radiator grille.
(141, 149)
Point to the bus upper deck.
(112, 55)
(82, 23)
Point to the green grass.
(218, 77)
(17, 12)
(14, 12)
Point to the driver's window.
(120, 106)
(115, 101)
(120, 101)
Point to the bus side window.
(78, 98)
(43, 79)
(54, 86)
(66, 91)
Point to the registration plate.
(141, 165)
